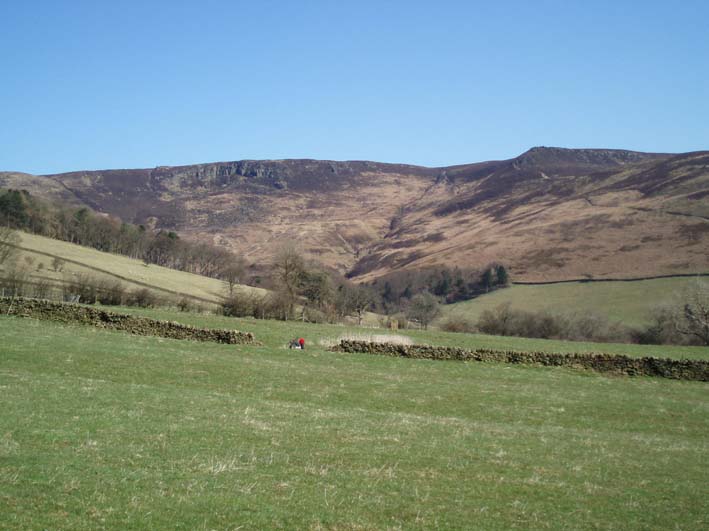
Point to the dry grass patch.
(390, 339)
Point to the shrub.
(594, 327)
(42, 289)
(424, 308)
(13, 282)
(239, 304)
(504, 321)
(496, 322)
(313, 315)
(275, 305)
(664, 328)
(185, 305)
(141, 297)
(110, 292)
(80, 288)
(57, 264)
(402, 323)
(458, 324)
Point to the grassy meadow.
(103, 430)
(133, 273)
(630, 303)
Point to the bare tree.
(288, 271)
(353, 299)
(662, 328)
(9, 239)
(233, 272)
(57, 264)
(316, 286)
(695, 312)
(423, 308)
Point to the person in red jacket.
(301, 342)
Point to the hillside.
(79, 260)
(630, 303)
(549, 214)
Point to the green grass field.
(102, 430)
(630, 303)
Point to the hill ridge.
(550, 213)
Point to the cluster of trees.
(506, 321)
(396, 291)
(324, 296)
(20, 210)
(685, 322)
(304, 291)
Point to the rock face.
(697, 370)
(548, 214)
(142, 326)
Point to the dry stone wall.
(697, 370)
(142, 326)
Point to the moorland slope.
(548, 214)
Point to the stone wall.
(659, 367)
(142, 326)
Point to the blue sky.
(99, 84)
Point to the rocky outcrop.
(142, 326)
(697, 370)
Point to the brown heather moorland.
(549, 214)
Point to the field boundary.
(589, 280)
(694, 370)
(142, 326)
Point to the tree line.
(448, 285)
(21, 210)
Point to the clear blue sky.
(99, 84)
